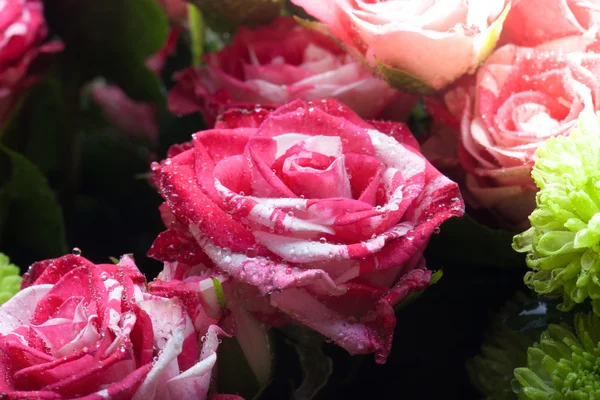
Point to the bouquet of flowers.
(303, 199)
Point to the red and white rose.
(317, 216)
(78, 330)
(277, 63)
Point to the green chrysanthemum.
(503, 350)
(564, 364)
(563, 243)
(10, 280)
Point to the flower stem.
(196, 21)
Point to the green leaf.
(316, 366)
(403, 80)
(219, 293)
(464, 241)
(30, 217)
(225, 14)
(43, 121)
(113, 38)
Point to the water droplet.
(290, 213)
(76, 251)
(251, 252)
(436, 230)
(323, 240)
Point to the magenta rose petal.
(50, 271)
(373, 334)
(179, 188)
(270, 217)
(23, 55)
(197, 379)
(266, 275)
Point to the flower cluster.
(564, 363)
(301, 200)
(531, 88)
(562, 243)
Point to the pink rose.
(533, 22)
(520, 98)
(260, 68)
(86, 331)
(417, 45)
(136, 119)
(22, 30)
(318, 217)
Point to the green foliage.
(113, 38)
(464, 241)
(30, 217)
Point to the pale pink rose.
(417, 45)
(533, 22)
(78, 330)
(261, 68)
(520, 98)
(317, 216)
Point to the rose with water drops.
(492, 124)
(335, 216)
(95, 331)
